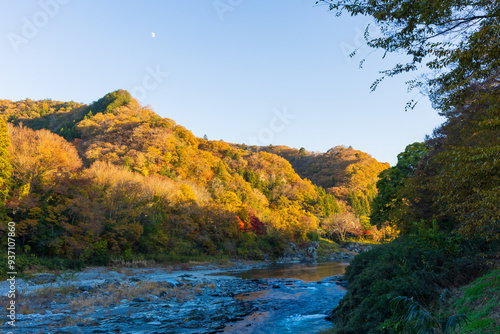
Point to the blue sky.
(229, 69)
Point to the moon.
(153, 35)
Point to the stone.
(138, 300)
(43, 278)
(343, 283)
(171, 283)
(304, 253)
(87, 288)
(67, 330)
(134, 279)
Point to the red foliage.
(241, 223)
(256, 225)
(356, 233)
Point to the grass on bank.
(327, 247)
(480, 302)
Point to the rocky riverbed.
(192, 299)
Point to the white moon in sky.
(153, 35)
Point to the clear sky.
(255, 72)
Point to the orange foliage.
(149, 185)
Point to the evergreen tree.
(354, 202)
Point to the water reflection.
(307, 272)
(295, 304)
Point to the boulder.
(307, 252)
(357, 247)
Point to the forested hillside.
(113, 179)
(350, 175)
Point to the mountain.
(350, 175)
(93, 182)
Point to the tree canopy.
(459, 40)
(391, 204)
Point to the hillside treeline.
(113, 179)
(348, 174)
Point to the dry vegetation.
(69, 297)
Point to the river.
(256, 298)
(300, 297)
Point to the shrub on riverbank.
(417, 266)
(246, 246)
(26, 264)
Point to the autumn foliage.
(111, 179)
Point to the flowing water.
(277, 299)
(300, 297)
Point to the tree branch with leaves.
(458, 40)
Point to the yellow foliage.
(185, 194)
(231, 201)
(41, 157)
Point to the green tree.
(457, 39)
(391, 205)
(459, 183)
(5, 165)
(110, 102)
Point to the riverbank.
(193, 298)
(425, 271)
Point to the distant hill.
(350, 175)
(113, 178)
